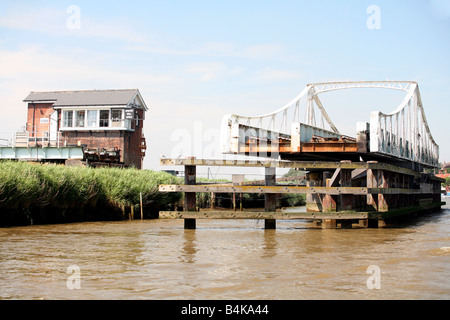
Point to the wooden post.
(313, 203)
(237, 180)
(140, 203)
(189, 197)
(382, 198)
(372, 200)
(328, 201)
(346, 224)
(346, 200)
(240, 202)
(270, 202)
(213, 199)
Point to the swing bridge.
(376, 177)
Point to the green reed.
(24, 185)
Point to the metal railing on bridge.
(403, 134)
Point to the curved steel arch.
(403, 133)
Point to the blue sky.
(195, 61)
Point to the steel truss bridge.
(372, 180)
(402, 137)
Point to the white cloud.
(31, 69)
(211, 70)
(213, 49)
(264, 51)
(47, 20)
(54, 22)
(218, 48)
(31, 64)
(271, 74)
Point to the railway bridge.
(371, 179)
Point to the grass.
(26, 185)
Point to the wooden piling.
(140, 204)
(329, 202)
(270, 203)
(190, 203)
(346, 200)
(213, 200)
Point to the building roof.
(86, 97)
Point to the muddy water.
(225, 260)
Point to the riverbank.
(44, 193)
(32, 193)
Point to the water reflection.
(189, 249)
(270, 244)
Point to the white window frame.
(124, 124)
(96, 122)
(76, 119)
(64, 118)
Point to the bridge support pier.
(346, 200)
(190, 224)
(190, 200)
(270, 224)
(270, 203)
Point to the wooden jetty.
(339, 194)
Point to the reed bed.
(25, 187)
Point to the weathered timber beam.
(262, 189)
(307, 165)
(253, 215)
(393, 191)
(285, 189)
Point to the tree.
(294, 173)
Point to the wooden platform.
(368, 193)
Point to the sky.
(196, 61)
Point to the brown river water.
(226, 259)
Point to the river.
(225, 259)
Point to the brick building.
(101, 121)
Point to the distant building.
(108, 124)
